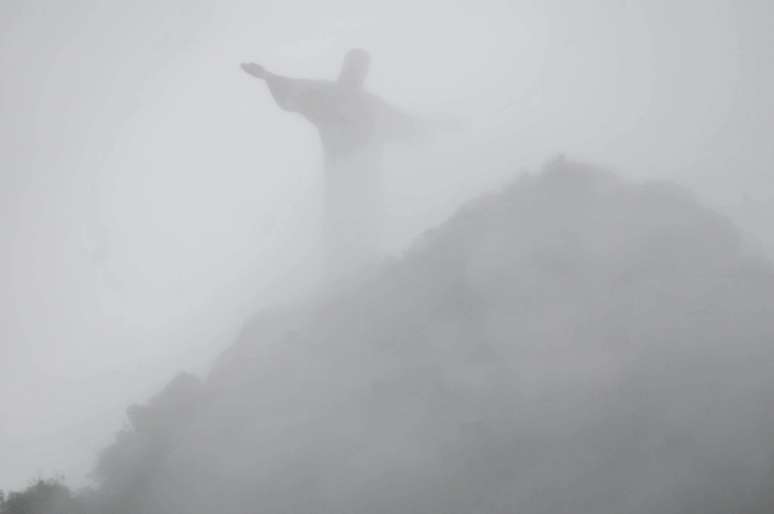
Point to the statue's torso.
(345, 119)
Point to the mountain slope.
(573, 343)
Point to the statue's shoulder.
(319, 85)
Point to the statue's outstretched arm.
(397, 125)
(295, 95)
(282, 88)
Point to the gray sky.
(151, 195)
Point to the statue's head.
(355, 68)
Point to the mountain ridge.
(563, 342)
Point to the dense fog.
(155, 199)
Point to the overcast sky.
(151, 195)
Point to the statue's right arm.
(287, 92)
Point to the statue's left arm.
(397, 125)
(394, 124)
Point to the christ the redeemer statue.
(354, 126)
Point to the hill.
(573, 343)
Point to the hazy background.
(151, 195)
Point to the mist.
(154, 199)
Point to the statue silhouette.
(354, 125)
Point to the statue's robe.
(354, 125)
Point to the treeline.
(49, 496)
(122, 467)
